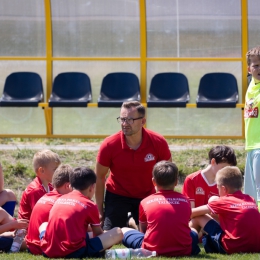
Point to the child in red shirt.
(237, 231)
(66, 233)
(164, 218)
(199, 186)
(45, 163)
(41, 210)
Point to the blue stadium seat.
(117, 88)
(71, 89)
(217, 90)
(168, 89)
(22, 89)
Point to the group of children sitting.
(62, 221)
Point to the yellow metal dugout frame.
(143, 60)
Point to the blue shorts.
(134, 239)
(212, 239)
(9, 207)
(5, 243)
(93, 248)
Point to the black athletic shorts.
(117, 208)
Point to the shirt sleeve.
(142, 215)
(217, 206)
(28, 201)
(93, 215)
(188, 189)
(104, 154)
(165, 153)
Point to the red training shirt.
(31, 195)
(68, 224)
(40, 214)
(167, 214)
(196, 188)
(239, 219)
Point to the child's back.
(238, 230)
(167, 214)
(164, 218)
(68, 224)
(40, 214)
(41, 210)
(239, 218)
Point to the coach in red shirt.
(130, 155)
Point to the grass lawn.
(202, 255)
(18, 172)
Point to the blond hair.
(43, 158)
(252, 53)
(61, 175)
(230, 177)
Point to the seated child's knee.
(213, 198)
(11, 195)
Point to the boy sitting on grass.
(7, 223)
(66, 233)
(41, 210)
(164, 218)
(199, 186)
(45, 163)
(238, 230)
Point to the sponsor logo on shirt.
(250, 110)
(251, 113)
(149, 157)
(200, 191)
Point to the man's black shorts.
(116, 209)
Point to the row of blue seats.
(73, 89)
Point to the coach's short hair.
(139, 107)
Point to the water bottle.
(129, 253)
(18, 240)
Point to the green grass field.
(202, 255)
(18, 171)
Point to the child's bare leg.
(126, 229)
(111, 237)
(23, 246)
(5, 217)
(199, 222)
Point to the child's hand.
(21, 223)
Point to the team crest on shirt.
(200, 191)
(149, 157)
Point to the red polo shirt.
(131, 170)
